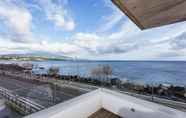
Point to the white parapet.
(130, 107)
(120, 104)
(79, 107)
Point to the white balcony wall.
(80, 107)
(120, 104)
(131, 107)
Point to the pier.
(21, 104)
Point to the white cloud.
(18, 20)
(57, 14)
(127, 29)
(57, 47)
(130, 42)
(90, 45)
(86, 40)
(70, 25)
(112, 19)
(179, 42)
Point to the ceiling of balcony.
(153, 13)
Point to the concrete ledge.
(120, 104)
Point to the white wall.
(80, 107)
(122, 104)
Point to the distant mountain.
(34, 57)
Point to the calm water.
(138, 71)
(170, 72)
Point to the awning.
(153, 13)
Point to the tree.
(53, 71)
(96, 72)
(107, 70)
(102, 72)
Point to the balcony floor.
(102, 113)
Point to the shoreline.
(135, 75)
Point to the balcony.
(113, 103)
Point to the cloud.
(117, 20)
(127, 29)
(179, 42)
(17, 19)
(126, 41)
(170, 54)
(95, 44)
(56, 12)
(129, 40)
(110, 21)
(91, 45)
(57, 47)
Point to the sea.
(142, 72)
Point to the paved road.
(44, 94)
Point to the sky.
(86, 29)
